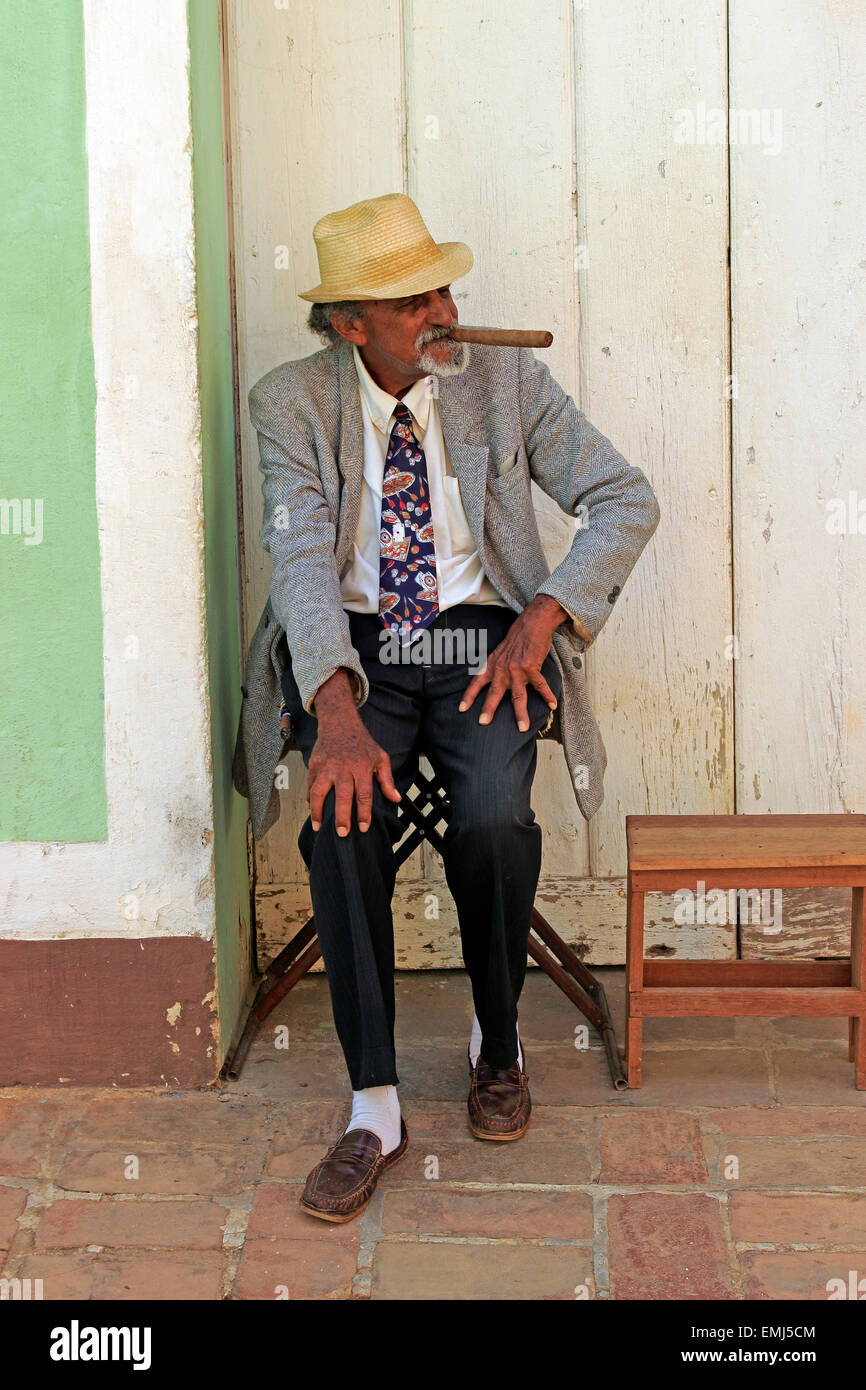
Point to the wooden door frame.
(225, 85)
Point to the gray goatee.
(428, 363)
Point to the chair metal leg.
(581, 987)
(284, 971)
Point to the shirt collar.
(381, 405)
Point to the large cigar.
(502, 337)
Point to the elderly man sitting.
(421, 617)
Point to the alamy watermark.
(77, 1343)
(20, 1290)
(718, 907)
(854, 1288)
(846, 516)
(22, 516)
(737, 126)
(438, 646)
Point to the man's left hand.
(516, 663)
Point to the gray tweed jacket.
(505, 420)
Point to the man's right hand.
(345, 757)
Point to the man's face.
(408, 337)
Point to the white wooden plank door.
(543, 133)
(798, 205)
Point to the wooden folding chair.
(423, 808)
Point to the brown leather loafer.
(341, 1185)
(499, 1103)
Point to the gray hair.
(319, 319)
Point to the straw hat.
(380, 249)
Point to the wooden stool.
(745, 852)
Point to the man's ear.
(350, 328)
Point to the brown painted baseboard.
(104, 1011)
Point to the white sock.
(475, 1043)
(377, 1108)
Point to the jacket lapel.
(466, 450)
(350, 456)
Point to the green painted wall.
(52, 760)
(221, 569)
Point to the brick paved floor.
(737, 1172)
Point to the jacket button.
(613, 593)
(576, 662)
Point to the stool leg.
(633, 984)
(857, 1042)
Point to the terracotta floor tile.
(76, 1222)
(651, 1146)
(822, 1073)
(790, 1163)
(565, 1216)
(667, 1247)
(160, 1171)
(803, 1274)
(433, 1270)
(296, 1269)
(827, 1219)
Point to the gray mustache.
(432, 334)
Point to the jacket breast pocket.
(508, 472)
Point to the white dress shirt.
(461, 578)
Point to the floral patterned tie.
(408, 594)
